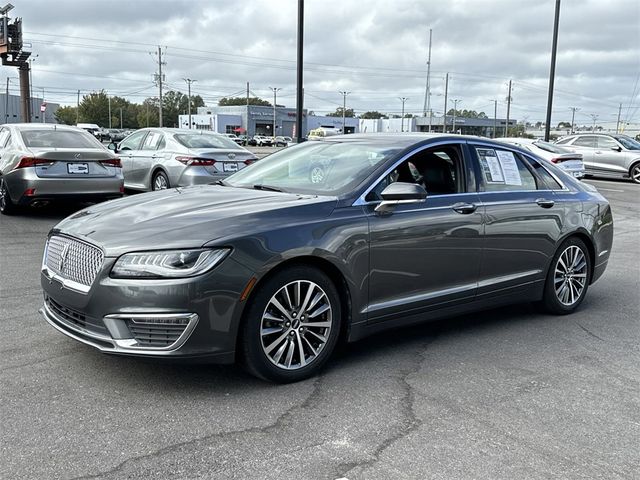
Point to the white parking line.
(609, 189)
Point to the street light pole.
(344, 108)
(275, 98)
(594, 117)
(573, 117)
(109, 100)
(189, 82)
(552, 71)
(495, 118)
(402, 99)
(120, 117)
(299, 71)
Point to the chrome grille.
(73, 260)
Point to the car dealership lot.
(509, 393)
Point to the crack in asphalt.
(409, 423)
(590, 332)
(220, 437)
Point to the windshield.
(320, 168)
(204, 140)
(51, 138)
(628, 142)
(550, 147)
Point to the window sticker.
(509, 168)
(490, 165)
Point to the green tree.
(373, 114)
(338, 113)
(231, 101)
(94, 108)
(564, 125)
(129, 113)
(66, 115)
(466, 114)
(147, 115)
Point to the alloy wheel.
(570, 276)
(296, 324)
(160, 182)
(635, 173)
(3, 195)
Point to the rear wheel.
(7, 207)
(634, 172)
(568, 277)
(160, 181)
(292, 325)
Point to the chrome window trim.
(361, 199)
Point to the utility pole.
(189, 82)
(31, 106)
(344, 108)
(120, 117)
(13, 55)
(427, 93)
(506, 127)
(552, 70)
(275, 99)
(594, 117)
(109, 99)
(43, 113)
(573, 117)
(618, 122)
(402, 99)
(299, 71)
(495, 118)
(160, 79)
(247, 94)
(446, 93)
(78, 108)
(455, 113)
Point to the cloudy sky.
(376, 50)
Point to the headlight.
(168, 263)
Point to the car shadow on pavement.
(194, 378)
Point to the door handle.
(465, 208)
(544, 203)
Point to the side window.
(588, 141)
(502, 170)
(438, 170)
(152, 141)
(132, 142)
(562, 141)
(606, 143)
(549, 181)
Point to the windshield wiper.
(219, 182)
(268, 188)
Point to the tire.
(634, 172)
(568, 278)
(160, 181)
(7, 207)
(275, 329)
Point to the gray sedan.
(44, 162)
(606, 155)
(271, 268)
(160, 158)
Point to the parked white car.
(564, 158)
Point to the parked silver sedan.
(606, 155)
(160, 158)
(570, 162)
(44, 162)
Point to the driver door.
(127, 150)
(425, 256)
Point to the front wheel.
(568, 278)
(7, 207)
(292, 325)
(634, 173)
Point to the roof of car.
(41, 126)
(401, 139)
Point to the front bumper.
(100, 317)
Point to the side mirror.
(616, 148)
(398, 193)
(113, 147)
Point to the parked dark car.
(272, 268)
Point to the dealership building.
(258, 120)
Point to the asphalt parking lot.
(505, 394)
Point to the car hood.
(190, 217)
